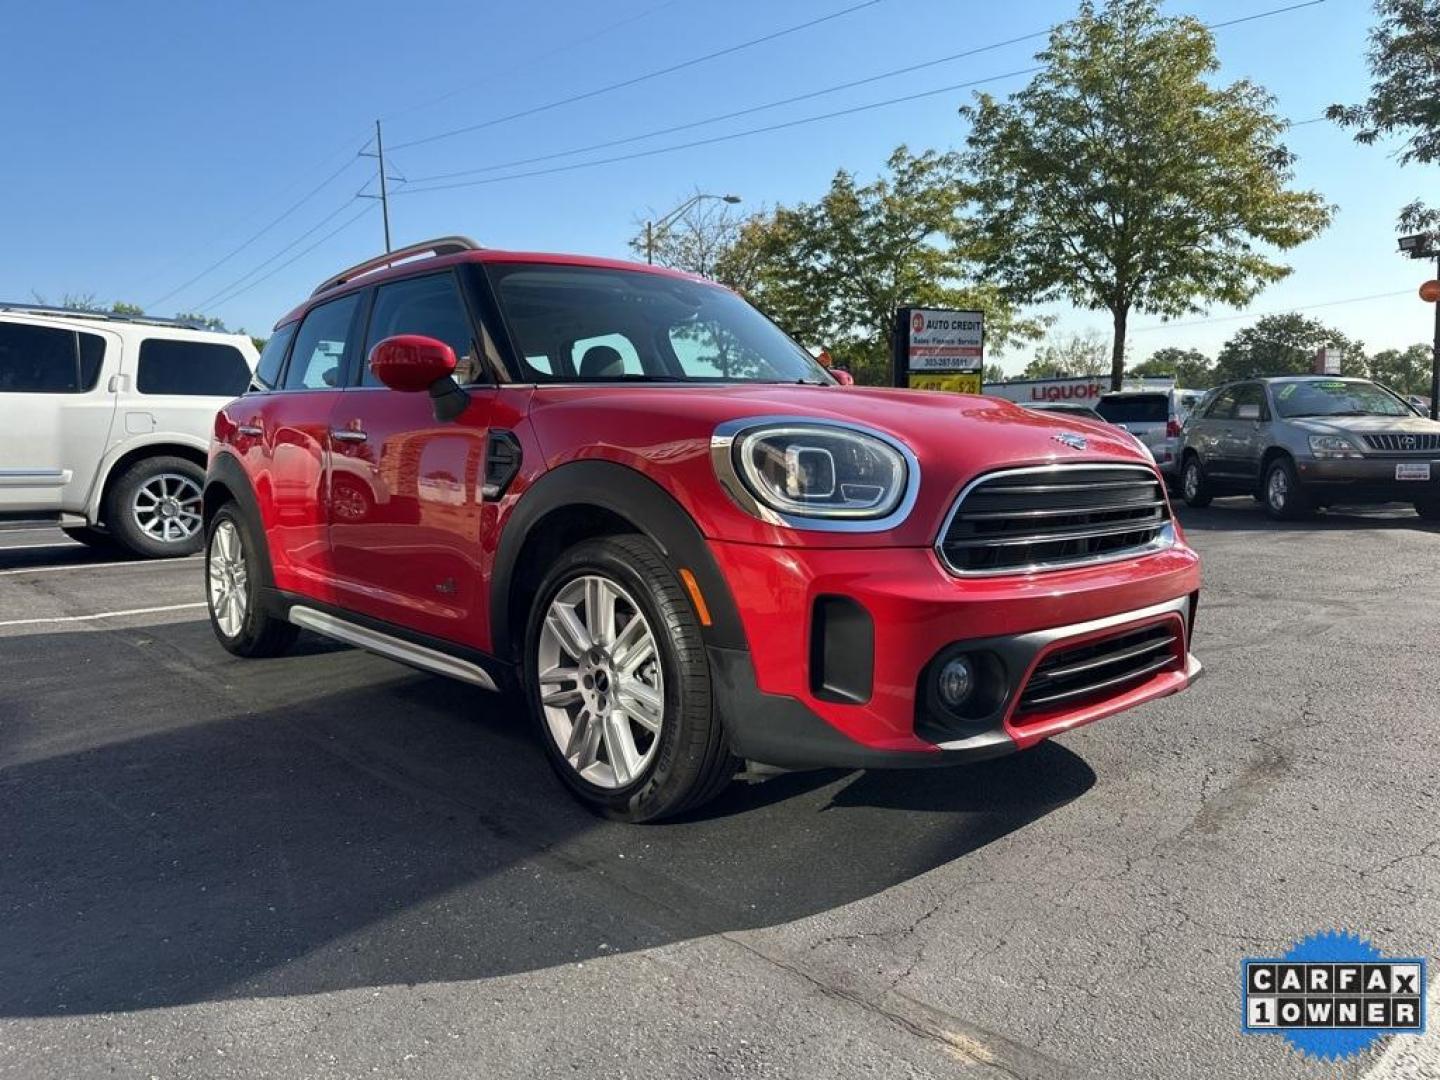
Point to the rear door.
(1249, 431)
(180, 383)
(406, 522)
(57, 407)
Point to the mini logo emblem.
(1070, 439)
(1407, 442)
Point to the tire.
(90, 537)
(1285, 499)
(639, 763)
(1428, 509)
(153, 508)
(232, 590)
(1193, 485)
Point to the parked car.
(1067, 408)
(1306, 441)
(105, 421)
(1155, 417)
(623, 491)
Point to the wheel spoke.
(627, 639)
(600, 610)
(566, 625)
(583, 747)
(644, 650)
(560, 698)
(642, 702)
(620, 747)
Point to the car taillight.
(1172, 428)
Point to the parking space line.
(1410, 1057)
(102, 615)
(96, 565)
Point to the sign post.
(935, 349)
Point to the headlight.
(799, 469)
(1333, 446)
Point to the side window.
(1250, 402)
(191, 368)
(605, 357)
(318, 359)
(429, 305)
(1223, 407)
(272, 357)
(47, 360)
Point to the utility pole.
(649, 242)
(384, 195)
(1435, 354)
(1427, 246)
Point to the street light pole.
(1427, 246)
(654, 230)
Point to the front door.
(405, 488)
(57, 407)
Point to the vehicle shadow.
(1244, 514)
(332, 821)
(25, 549)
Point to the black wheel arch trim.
(627, 493)
(225, 471)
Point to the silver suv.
(1155, 418)
(1306, 441)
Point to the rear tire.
(1193, 485)
(153, 508)
(625, 711)
(1285, 499)
(232, 590)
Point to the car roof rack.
(442, 245)
(103, 316)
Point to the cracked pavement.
(330, 866)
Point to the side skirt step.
(392, 648)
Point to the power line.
(1266, 314)
(736, 114)
(350, 161)
(301, 254)
(783, 125)
(632, 81)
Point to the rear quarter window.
(272, 357)
(191, 369)
(1135, 408)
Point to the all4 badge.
(1333, 995)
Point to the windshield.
(1335, 397)
(575, 323)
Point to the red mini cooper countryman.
(623, 493)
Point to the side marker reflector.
(693, 588)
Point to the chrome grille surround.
(1403, 443)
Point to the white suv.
(105, 422)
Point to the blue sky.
(146, 141)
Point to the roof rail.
(105, 316)
(442, 245)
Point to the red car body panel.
(395, 528)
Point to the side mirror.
(411, 363)
(843, 377)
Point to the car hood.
(1366, 425)
(665, 430)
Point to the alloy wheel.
(167, 508)
(227, 578)
(601, 685)
(1192, 480)
(1278, 489)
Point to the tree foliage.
(833, 272)
(1069, 356)
(993, 373)
(1188, 367)
(204, 322)
(697, 241)
(1406, 371)
(1122, 180)
(1285, 345)
(1404, 101)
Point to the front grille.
(1047, 518)
(1401, 444)
(1099, 669)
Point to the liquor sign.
(937, 349)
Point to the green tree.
(1069, 356)
(120, 307)
(698, 241)
(1404, 101)
(1122, 180)
(1188, 367)
(993, 373)
(1285, 345)
(204, 322)
(833, 272)
(1406, 371)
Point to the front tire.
(1193, 485)
(232, 590)
(619, 685)
(154, 507)
(1285, 500)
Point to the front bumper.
(1367, 479)
(781, 708)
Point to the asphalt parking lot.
(327, 865)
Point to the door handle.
(349, 435)
(253, 430)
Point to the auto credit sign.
(937, 349)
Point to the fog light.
(956, 682)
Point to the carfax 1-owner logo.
(1333, 995)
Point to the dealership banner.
(939, 349)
